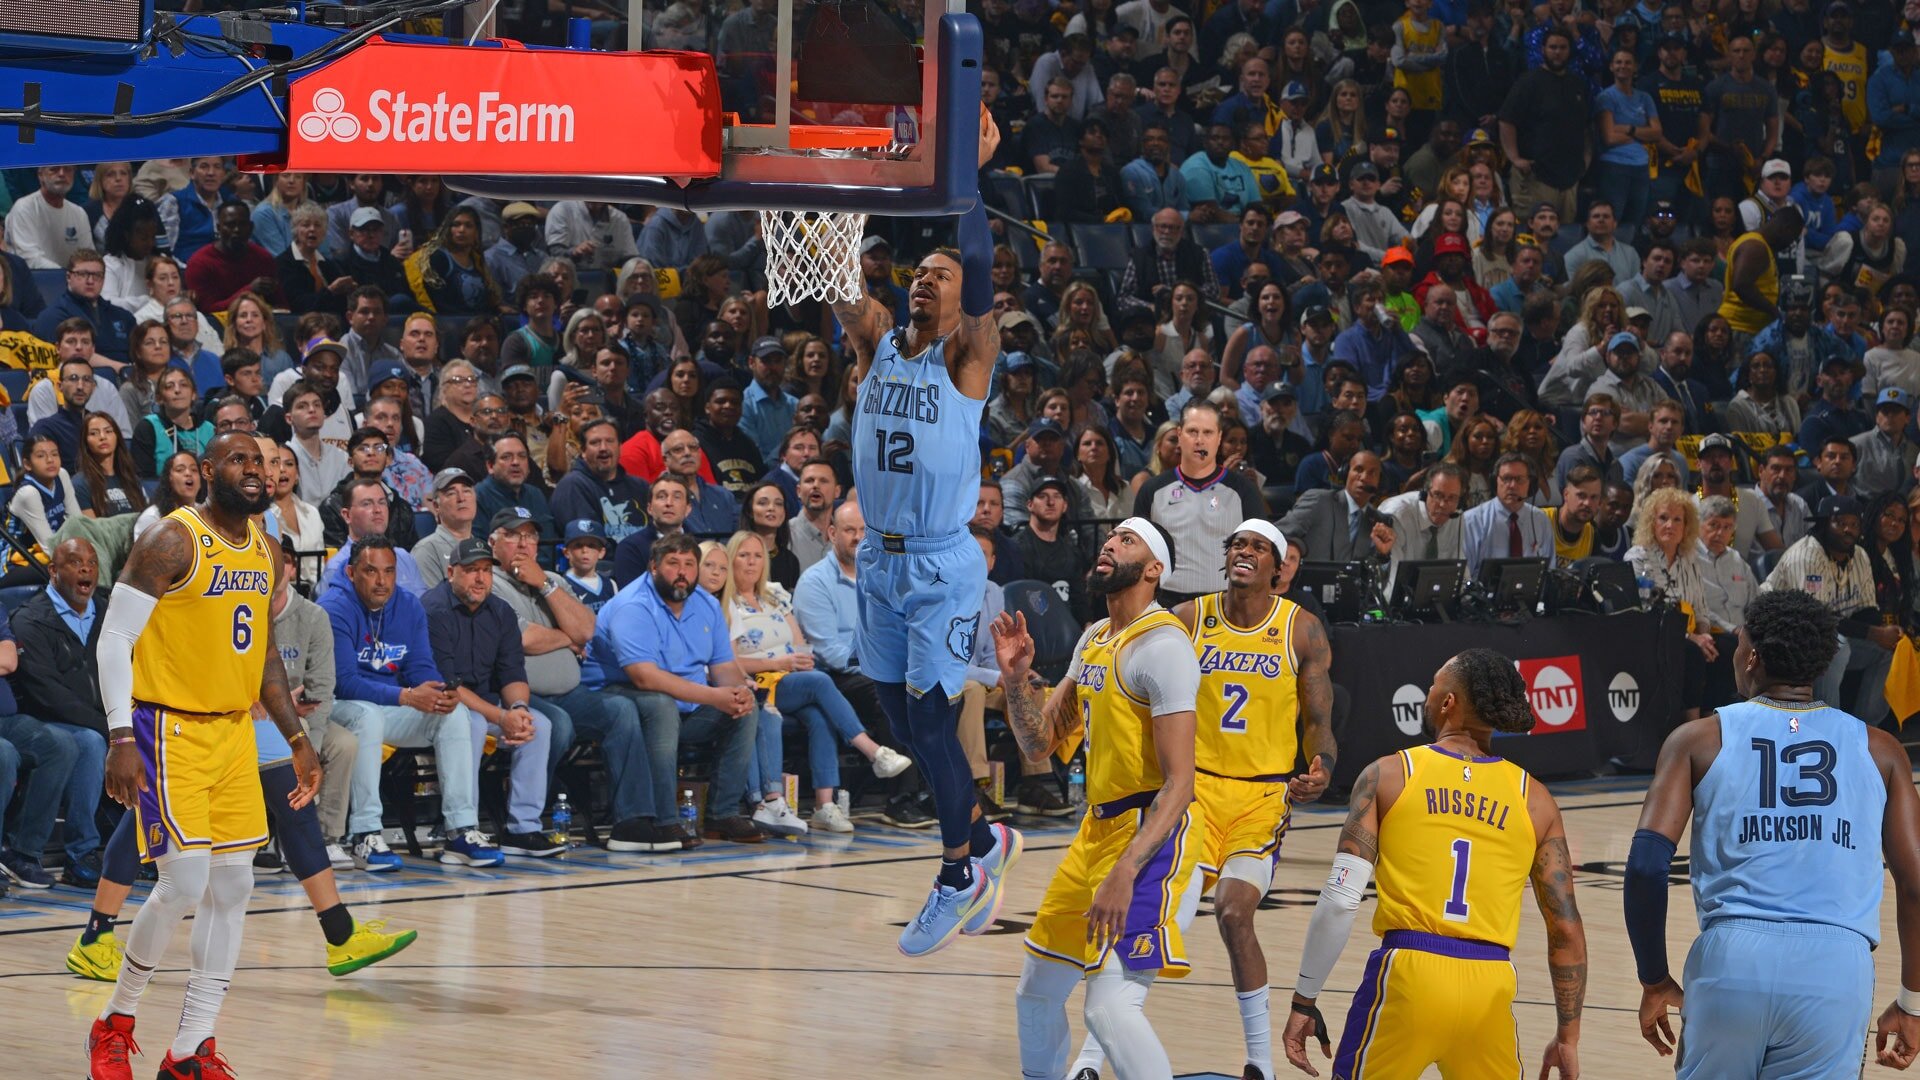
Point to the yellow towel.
(1903, 681)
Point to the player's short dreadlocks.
(1494, 687)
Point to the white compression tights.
(1117, 1027)
(219, 886)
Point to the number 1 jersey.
(916, 445)
(203, 651)
(1456, 849)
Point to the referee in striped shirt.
(1197, 503)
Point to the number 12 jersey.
(916, 444)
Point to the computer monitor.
(1516, 584)
(1427, 586)
(1335, 585)
(1612, 585)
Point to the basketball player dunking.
(1456, 833)
(185, 650)
(1794, 804)
(916, 470)
(1128, 885)
(1263, 669)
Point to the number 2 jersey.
(204, 649)
(916, 444)
(1786, 822)
(1456, 848)
(1249, 706)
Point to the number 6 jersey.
(204, 649)
(1456, 848)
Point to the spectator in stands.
(1198, 525)
(1375, 344)
(58, 631)
(128, 240)
(389, 693)
(1666, 551)
(366, 192)
(1666, 422)
(766, 409)
(1154, 269)
(1761, 404)
(405, 473)
(1071, 63)
(305, 640)
(309, 280)
(1230, 261)
(989, 515)
(1886, 454)
(733, 452)
(1164, 107)
(1341, 525)
(323, 466)
(585, 545)
(1049, 552)
(1599, 417)
(1730, 584)
(1219, 186)
(597, 234)
(521, 247)
(232, 263)
(662, 643)
(1526, 279)
(1426, 521)
(509, 486)
(1633, 394)
(1649, 290)
(1547, 153)
(713, 509)
(818, 489)
(476, 645)
(151, 354)
(1046, 456)
(1086, 188)
(365, 341)
(240, 378)
(1835, 414)
(107, 484)
(367, 260)
(1833, 567)
(1787, 513)
(112, 325)
(63, 427)
(1795, 337)
(1439, 327)
(1572, 520)
(596, 488)
(667, 506)
(1507, 526)
(454, 509)
(366, 510)
(45, 228)
(368, 455)
(1835, 466)
(174, 425)
(797, 447)
(1151, 183)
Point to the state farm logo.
(1409, 710)
(1623, 697)
(329, 118)
(391, 117)
(1553, 689)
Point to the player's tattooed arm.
(1566, 935)
(866, 322)
(1360, 836)
(160, 559)
(1040, 725)
(1316, 690)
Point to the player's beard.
(1122, 576)
(234, 501)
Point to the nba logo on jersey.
(1466, 773)
(1793, 724)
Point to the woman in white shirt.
(1666, 555)
(300, 527)
(163, 285)
(1096, 469)
(770, 647)
(132, 234)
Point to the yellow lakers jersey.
(1456, 848)
(1851, 68)
(1121, 759)
(1249, 701)
(205, 648)
(1745, 319)
(1423, 87)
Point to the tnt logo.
(329, 118)
(1409, 710)
(1623, 697)
(1142, 947)
(1553, 689)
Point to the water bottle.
(689, 813)
(1646, 590)
(1077, 784)
(563, 817)
(905, 131)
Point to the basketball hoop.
(812, 255)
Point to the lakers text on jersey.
(1247, 731)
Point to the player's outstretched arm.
(1566, 936)
(975, 345)
(1333, 916)
(1663, 819)
(1897, 1037)
(159, 560)
(1040, 724)
(1315, 655)
(866, 322)
(276, 696)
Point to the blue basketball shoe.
(1007, 846)
(947, 910)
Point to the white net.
(812, 256)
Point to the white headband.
(1264, 529)
(1150, 536)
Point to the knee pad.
(1255, 871)
(298, 830)
(1116, 998)
(1045, 982)
(183, 881)
(229, 880)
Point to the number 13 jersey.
(916, 445)
(1456, 848)
(204, 650)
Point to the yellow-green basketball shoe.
(99, 961)
(369, 944)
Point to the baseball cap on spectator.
(1480, 137)
(364, 216)
(1663, 209)
(1837, 360)
(1892, 397)
(1675, 41)
(1715, 442)
(1543, 205)
(510, 517)
(1325, 174)
(1388, 134)
(585, 529)
(1835, 505)
(1014, 318)
(1316, 313)
(388, 370)
(1449, 244)
(327, 345)
(872, 242)
(469, 551)
(1020, 361)
(1840, 7)
(1776, 167)
(517, 371)
(1279, 388)
(1295, 91)
(1054, 482)
(1365, 171)
(1625, 339)
(1290, 217)
(1396, 254)
(768, 346)
(1046, 425)
(516, 210)
(446, 478)
(1635, 314)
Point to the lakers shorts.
(1245, 819)
(919, 603)
(1151, 941)
(1431, 1000)
(203, 783)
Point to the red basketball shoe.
(206, 1064)
(109, 1047)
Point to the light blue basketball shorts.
(920, 609)
(1775, 1001)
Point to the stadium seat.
(51, 283)
(1102, 247)
(424, 524)
(1215, 236)
(15, 383)
(13, 596)
(1052, 625)
(1040, 195)
(1005, 193)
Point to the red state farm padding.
(389, 107)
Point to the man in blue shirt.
(1834, 415)
(1893, 96)
(766, 409)
(112, 325)
(509, 464)
(1375, 344)
(662, 642)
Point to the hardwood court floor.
(775, 960)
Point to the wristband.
(296, 737)
(548, 591)
(519, 705)
(1908, 1001)
(121, 741)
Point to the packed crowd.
(556, 475)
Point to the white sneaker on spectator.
(338, 857)
(778, 819)
(830, 818)
(889, 763)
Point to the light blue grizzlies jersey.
(1786, 823)
(916, 445)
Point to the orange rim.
(832, 137)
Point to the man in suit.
(1427, 522)
(1675, 378)
(1340, 525)
(1506, 526)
